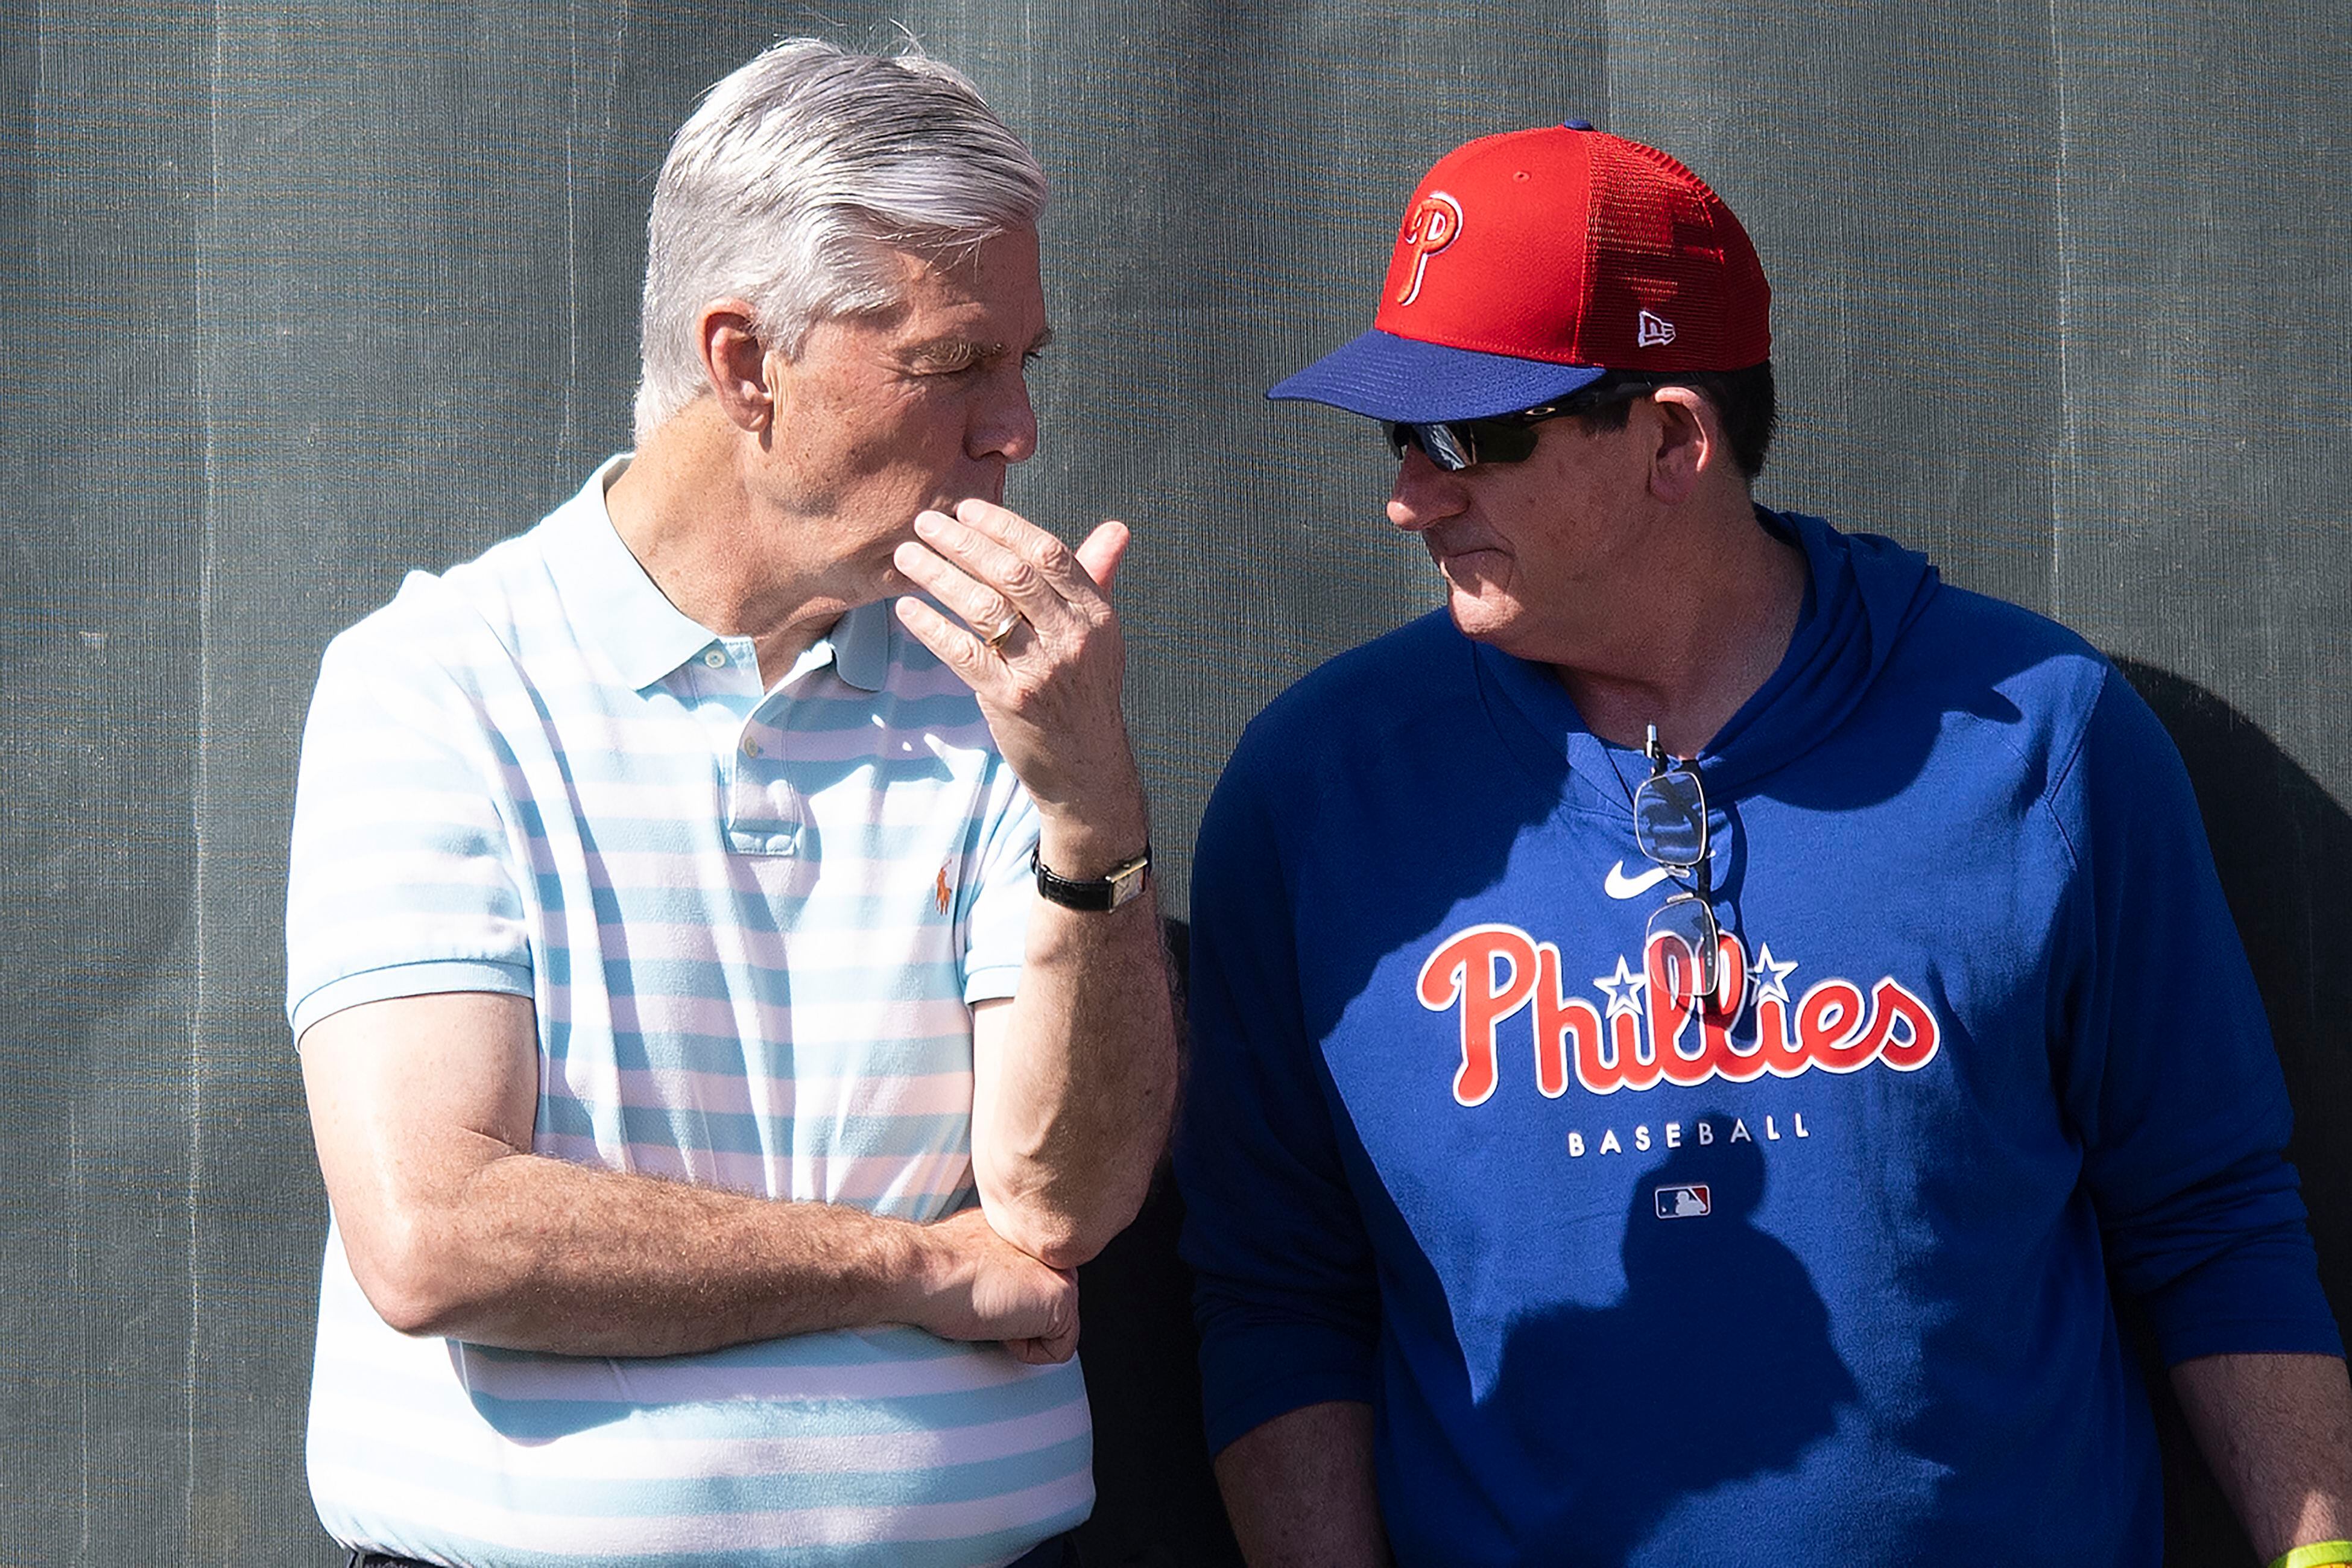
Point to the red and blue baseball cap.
(1532, 263)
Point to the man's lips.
(989, 489)
(1466, 558)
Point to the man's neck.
(1714, 626)
(685, 512)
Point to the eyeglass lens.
(1459, 444)
(1463, 443)
(1670, 819)
(1688, 919)
(1451, 447)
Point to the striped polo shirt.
(752, 920)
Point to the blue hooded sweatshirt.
(1813, 1270)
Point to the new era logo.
(1652, 332)
(1683, 1202)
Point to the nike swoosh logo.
(1620, 886)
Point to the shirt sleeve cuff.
(994, 983)
(1249, 1377)
(433, 978)
(2261, 1298)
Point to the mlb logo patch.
(1683, 1202)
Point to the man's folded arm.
(423, 1106)
(1073, 1082)
(1074, 1077)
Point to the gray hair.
(793, 183)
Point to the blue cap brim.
(1384, 376)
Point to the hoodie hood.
(1863, 592)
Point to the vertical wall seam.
(75, 1197)
(2066, 461)
(45, 224)
(1608, 120)
(563, 456)
(200, 792)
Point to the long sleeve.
(2166, 1064)
(1286, 1297)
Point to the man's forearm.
(422, 1109)
(1300, 1491)
(2277, 1432)
(542, 1254)
(539, 1254)
(1074, 1081)
(1071, 1113)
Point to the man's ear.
(1690, 442)
(735, 362)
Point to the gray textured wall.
(293, 298)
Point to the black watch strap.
(1123, 883)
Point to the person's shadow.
(1714, 1366)
(2283, 846)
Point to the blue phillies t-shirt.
(1810, 1268)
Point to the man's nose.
(1424, 493)
(1005, 424)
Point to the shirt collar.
(861, 646)
(616, 608)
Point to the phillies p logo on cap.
(1577, 247)
(1529, 263)
(1428, 228)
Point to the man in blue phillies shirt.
(1681, 1036)
(727, 991)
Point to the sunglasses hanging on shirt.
(1670, 827)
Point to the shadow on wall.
(2284, 847)
(1156, 1502)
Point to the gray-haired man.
(730, 1002)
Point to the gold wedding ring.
(995, 639)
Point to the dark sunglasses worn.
(1455, 445)
(1459, 444)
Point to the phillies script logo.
(1428, 228)
(1655, 1029)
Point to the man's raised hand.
(1041, 650)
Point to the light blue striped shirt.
(752, 922)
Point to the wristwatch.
(1124, 881)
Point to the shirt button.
(751, 747)
(714, 659)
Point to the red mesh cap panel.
(1576, 248)
(1675, 285)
